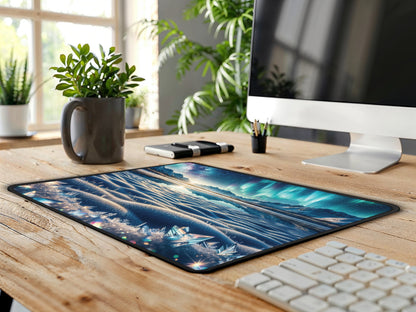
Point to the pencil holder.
(258, 143)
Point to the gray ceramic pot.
(133, 115)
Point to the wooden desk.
(54, 137)
(50, 263)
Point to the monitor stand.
(366, 154)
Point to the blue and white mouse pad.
(197, 217)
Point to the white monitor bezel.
(382, 120)
(374, 129)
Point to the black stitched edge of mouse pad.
(197, 217)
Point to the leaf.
(69, 93)
(102, 51)
(96, 61)
(62, 57)
(76, 51)
(199, 100)
(69, 59)
(132, 85)
(85, 49)
(131, 70)
(60, 76)
(63, 86)
(137, 79)
(229, 32)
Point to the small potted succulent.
(15, 85)
(93, 122)
(135, 105)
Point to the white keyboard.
(335, 278)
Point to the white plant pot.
(14, 120)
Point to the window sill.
(54, 137)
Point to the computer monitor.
(340, 65)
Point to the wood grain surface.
(43, 138)
(51, 263)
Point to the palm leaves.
(15, 82)
(226, 64)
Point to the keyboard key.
(300, 267)
(370, 265)
(407, 278)
(252, 280)
(317, 259)
(404, 291)
(284, 293)
(336, 244)
(327, 277)
(269, 285)
(309, 303)
(363, 276)
(394, 303)
(375, 257)
(389, 271)
(397, 264)
(322, 291)
(311, 271)
(384, 283)
(366, 306)
(371, 294)
(342, 268)
(349, 286)
(329, 251)
(342, 299)
(290, 278)
(349, 258)
(355, 251)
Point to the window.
(43, 29)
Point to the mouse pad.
(197, 217)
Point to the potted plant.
(135, 105)
(226, 63)
(15, 86)
(93, 122)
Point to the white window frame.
(36, 15)
(141, 52)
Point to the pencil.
(265, 128)
(256, 132)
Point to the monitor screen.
(335, 50)
(338, 65)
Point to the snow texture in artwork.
(197, 216)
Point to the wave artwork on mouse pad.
(198, 217)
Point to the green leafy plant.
(137, 99)
(15, 82)
(83, 74)
(226, 63)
